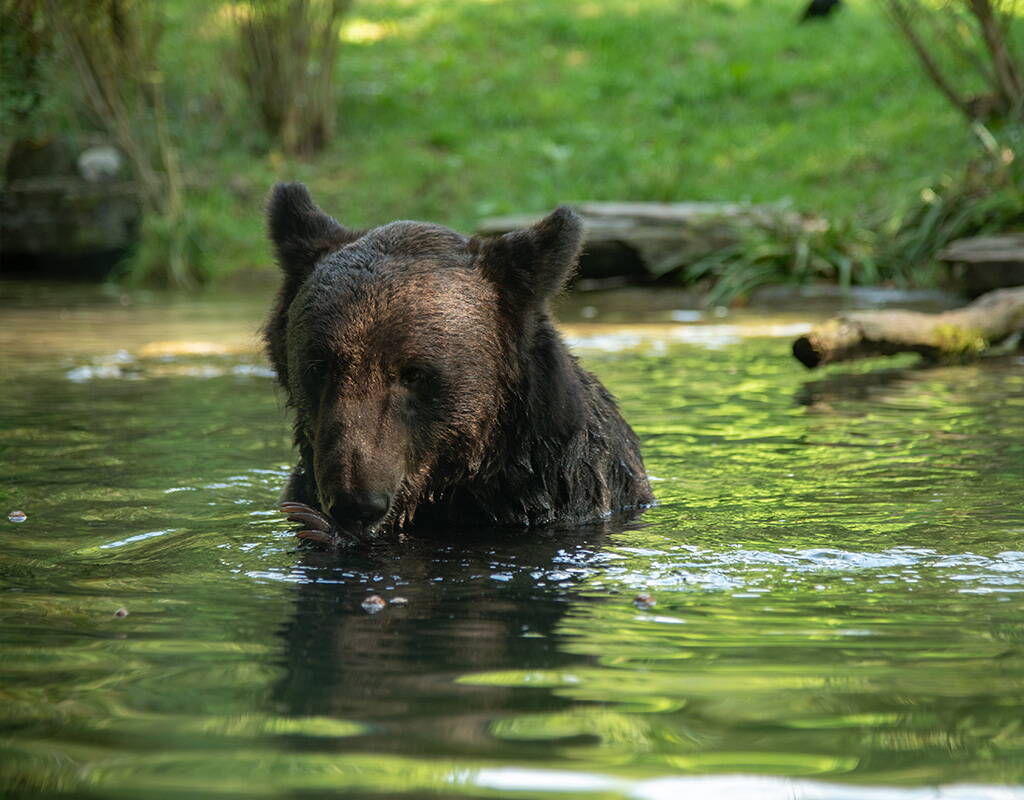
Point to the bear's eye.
(314, 373)
(316, 378)
(414, 377)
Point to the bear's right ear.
(301, 233)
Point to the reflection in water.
(474, 605)
(839, 583)
(820, 395)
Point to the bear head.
(400, 347)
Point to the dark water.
(837, 559)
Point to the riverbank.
(454, 111)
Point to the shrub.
(287, 53)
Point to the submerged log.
(959, 333)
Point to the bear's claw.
(310, 518)
(318, 536)
(318, 527)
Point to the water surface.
(837, 560)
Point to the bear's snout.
(365, 508)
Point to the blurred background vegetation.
(892, 126)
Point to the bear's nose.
(366, 507)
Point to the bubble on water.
(17, 516)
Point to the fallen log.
(950, 335)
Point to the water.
(837, 560)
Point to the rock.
(640, 242)
(987, 262)
(101, 162)
(67, 209)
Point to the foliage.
(787, 249)
(988, 196)
(287, 54)
(969, 51)
(25, 50)
(457, 110)
(112, 46)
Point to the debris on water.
(17, 516)
(399, 601)
(644, 601)
(374, 603)
(121, 612)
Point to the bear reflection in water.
(416, 676)
(429, 385)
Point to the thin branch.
(945, 26)
(1008, 84)
(901, 17)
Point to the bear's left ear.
(534, 263)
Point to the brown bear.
(429, 384)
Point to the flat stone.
(644, 241)
(984, 249)
(983, 263)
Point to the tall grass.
(25, 53)
(787, 249)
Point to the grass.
(451, 110)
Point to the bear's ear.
(301, 233)
(534, 263)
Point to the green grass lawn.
(451, 110)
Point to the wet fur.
(497, 425)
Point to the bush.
(112, 46)
(287, 53)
